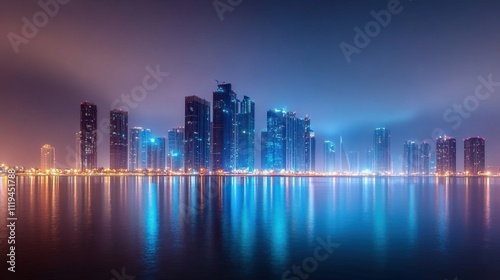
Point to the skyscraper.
(275, 136)
(474, 156)
(290, 142)
(382, 150)
(197, 134)
(156, 153)
(88, 129)
(47, 157)
(344, 165)
(329, 157)
(139, 141)
(175, 155)
(225, 109)
(246, 135)
(425, 158)
(411, 158)
(446, 156)
(312, 164)
(118, 139)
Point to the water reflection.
(238, 225)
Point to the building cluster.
(288, 143)
(418, 158)
(221, 139)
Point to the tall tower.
(246, 135)
(446, 156)
(276, 141)
(47, 157)
(329, 157)
(474, 156)
(118, 140)
(139, 141)
(382, 150)
(411, 158)
(425, 158)
(88, 129)
(225, 108)
(197, 134)
(175, 154)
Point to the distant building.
(118, 140)
(197, 134)
(474, 156)
(370, 158)
(275, 144)
(138, 149)
(245, 135)
(344, 165)
(88, 129)
(312, 165)
(382, 150)
(446, 156)
(425, 158)
(411, 158)
(175, 154)
(47, 157)
(329, 157)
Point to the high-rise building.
(47, 157)
(344, 165)
(246, 135)
(118, 140)
(156, 153)
(370, 159)
(275, 136)
(78, 151)
(290, 142)
(329, 157)
(175, 155)
(88, 129)
(446, 156)
(139, 141)
(197, 134)
(474, 156)
(411, 158)
(224, 145)
(382, 150)
(425, 158)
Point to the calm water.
(255, 228)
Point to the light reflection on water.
(256, 227)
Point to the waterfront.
(256, 227)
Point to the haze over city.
(428, 58)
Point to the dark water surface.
(254, 228)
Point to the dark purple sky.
(280, 53)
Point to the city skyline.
(344, 99)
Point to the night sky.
(283, 54)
